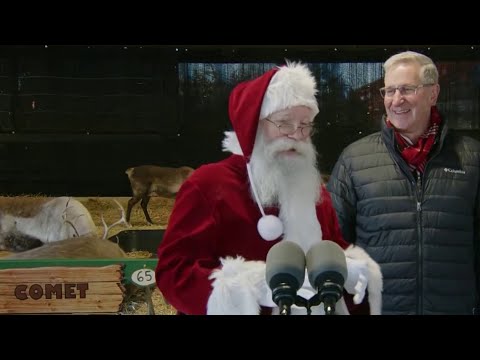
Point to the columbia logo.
(454, 171)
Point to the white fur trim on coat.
(375, 280)
(239, 287)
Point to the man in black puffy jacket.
(409, 195)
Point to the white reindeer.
(44, 219)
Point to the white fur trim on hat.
(292, 85)
(230, 143)
(375, 280)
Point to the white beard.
(292, 183)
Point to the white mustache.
(285, 144)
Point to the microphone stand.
(329, 294)
(285, 307)
(301, 301)
(284, 297)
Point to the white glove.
(357, 279)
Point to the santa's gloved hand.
(357, 279)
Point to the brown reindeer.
(82, 247)
(151, 180)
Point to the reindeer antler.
(73, 226)
(122, 220)
(65, 220)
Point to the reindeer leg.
(144, 204)
(131, 204)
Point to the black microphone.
(285, 273)
(327, 272)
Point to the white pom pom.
(270, 227)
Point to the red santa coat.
(214, 216)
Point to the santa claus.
(229, 214)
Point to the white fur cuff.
(239, 288)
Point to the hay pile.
(159, 209)
(141, 308)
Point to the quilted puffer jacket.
(422, 230)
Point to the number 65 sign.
(143, 277)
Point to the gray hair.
(428, 70)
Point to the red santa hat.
(278, 89)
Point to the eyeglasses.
(289, 129)
(404, 90)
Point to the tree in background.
(343, 118)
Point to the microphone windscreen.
(285, 262)
(326, 259)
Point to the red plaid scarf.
(416, 155)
